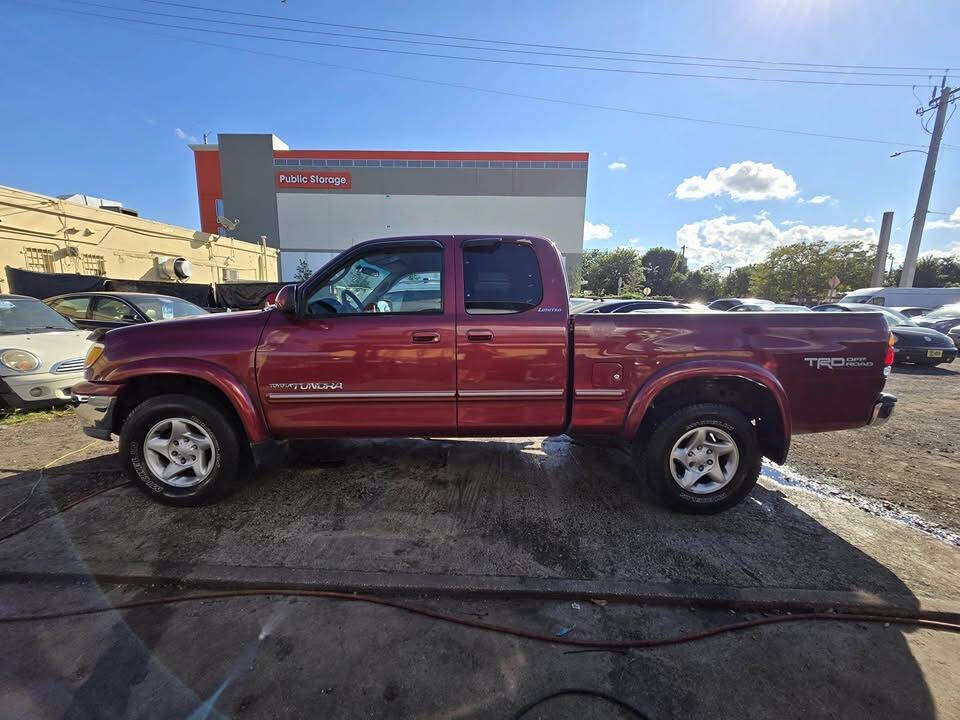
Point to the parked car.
(578, 302)
(41, 353)
(954, 335)
(699, 397)
(903, 297)
(730, 303)
(911, 311)
(93, 310)
(626, 306)
(941, 319)
(750, 307)
(913, 344)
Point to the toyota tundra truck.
(472, 336)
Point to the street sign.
(833, 282)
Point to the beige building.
(47, 234)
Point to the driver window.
(384, 280)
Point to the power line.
(261, 26)
(526, 96)
(497, 61)
(538, 45)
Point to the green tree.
(303, 271)
(932, 272)
(737, 282)
(799, 272)
(660, 266)
(702, 285)
(608, 272)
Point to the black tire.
(214, 422)
(656, 458)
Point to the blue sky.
(108, 108)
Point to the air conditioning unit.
(175, 268)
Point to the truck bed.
(796, 355)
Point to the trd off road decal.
(837, 362)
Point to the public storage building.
(312, 204)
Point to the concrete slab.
(336, 659)
(529, 508)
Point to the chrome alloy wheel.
(704, 460)
(179, 452)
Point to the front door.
(361, 359)
(511, 358)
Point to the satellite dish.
(227, 223)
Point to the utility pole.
(926, 185)
(882, 247)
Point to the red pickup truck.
(472, 336)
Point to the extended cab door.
(359, 360)
(511, 338)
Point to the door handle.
(426, 336)
(480, 335)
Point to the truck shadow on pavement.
(534, 508)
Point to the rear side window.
(500, 277)
(75, 307)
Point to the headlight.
(93, 354)
(19, 360)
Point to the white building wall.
(332, 221)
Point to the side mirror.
(287, 300)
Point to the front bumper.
(883, 409)
(36, 389)
(96, 414)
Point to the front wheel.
(180, 450)
(703, 458)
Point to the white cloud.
(596, 231)
(951, 223)
(724, 241)
(951, 251)
(184, 136)
(788, 223)
(762, 215)
(634, 241)
(815, 200)
(868, 219)
(742, 181)
(617, 165)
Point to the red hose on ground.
(516, 632)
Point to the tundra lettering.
(473, 336)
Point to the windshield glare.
(20, 315)
(897, 318)
(947, 311)
(166, 308)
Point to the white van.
(904, 297)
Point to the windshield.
(160, 307)
(19, 315)
(943, 313)
(896, 318)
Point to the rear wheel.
(180, 450)
(703, 458)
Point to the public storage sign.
(322, 180)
